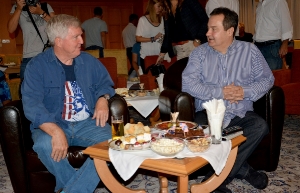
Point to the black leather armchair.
(270, 107)
(26, 171)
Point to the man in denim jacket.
(65, 94)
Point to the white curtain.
(294, 6)
(247, 15)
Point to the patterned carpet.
(284, 179)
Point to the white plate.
(113, 146)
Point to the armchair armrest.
(270, 107)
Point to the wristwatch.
(106, 96)
(198, 41)
(42, 15)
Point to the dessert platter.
(181, 129)
(136, 137)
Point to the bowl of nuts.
(198, 144)
(167, 147)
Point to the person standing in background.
(129, 39)
(185, 28)
(32, 43)
(150, 30)
(230, 4)
(273, 30)
(135, 60)
(95, 30)
(244, 36)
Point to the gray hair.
(58, 26)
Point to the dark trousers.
(142, 64)
(271, 53)
(254, 128)
(129, 56)
(101, 54)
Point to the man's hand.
(233, 93)
(283, 48)
(59, 145)
(101, 112)
(59, 141)
(20, 4)
(36, 9)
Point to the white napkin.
(160, 79)
(127, 163)
(215, 110)
(144, 105)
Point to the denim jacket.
(43, 88)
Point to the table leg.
(182, 184)
(109, 180)
(163, 184)
(215, 181)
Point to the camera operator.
(32, 43)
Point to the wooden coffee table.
(181, 168)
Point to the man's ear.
(230, 31)
(58, 42)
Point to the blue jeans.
(254, 128)
(271, 54)
(23, 67)
(101, 54)
(82, 133)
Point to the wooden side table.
(181, 168)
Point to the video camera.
(31, 2)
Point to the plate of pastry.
(136, 137)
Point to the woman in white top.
(150, 30)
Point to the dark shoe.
(258, 180)
(222, 189)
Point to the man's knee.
(42, 143)
(259, 126)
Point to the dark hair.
(98, 11)
(231, 18)
(133, 17)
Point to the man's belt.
(266, 43)
(180, 43)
